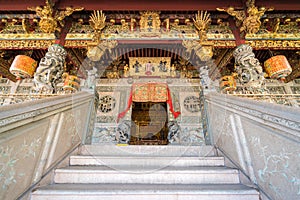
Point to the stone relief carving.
(261, 115)
(91, 79)
(123, 132)
(104, 135)
(206, 82)
(107, 104)
(276, 164)
(73, 125)
(192, 104)
(174, 132)
(192, 135)
(105, 119)
(9, 157)
(51, 67)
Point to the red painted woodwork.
(148, 4)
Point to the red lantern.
(23, 67)
(277, 67)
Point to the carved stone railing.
(261, 139)
(6, 99)
(36, 136)
(283, 99)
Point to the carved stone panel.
(190, 104)
(108, 103)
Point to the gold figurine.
(49, 17)
(250, 23)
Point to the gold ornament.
(150, 22)
(50, 18)
(201, 23)
(250, 22)
(97, 22)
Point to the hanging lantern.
(23, 67)
(277, 67)
(71, 82)
(228, 83)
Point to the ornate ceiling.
(21, 31)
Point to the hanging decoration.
(23, 67)
(154, 92)
(277, 67)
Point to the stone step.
(145, 192)
(148, 150)
(146, 175)
(146, 161)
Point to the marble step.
(145, 192)
(146, 175)
(147, 150)
(145, 161)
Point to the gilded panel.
(149, 66)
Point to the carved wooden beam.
(61, 37)
(236, 32)
(149, 4)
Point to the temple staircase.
(133, 172)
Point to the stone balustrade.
(261, 139)
(36, 136)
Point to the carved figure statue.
(250, 72)
(50, 69)
(50, 17)
(91, 79)
(173, 71)
(251, 22)
(204, 77)
(126, 71)
(123, 132)
(114, 74)
(174, 132)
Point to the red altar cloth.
(154, 92)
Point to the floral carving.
(275, 164)
(10, 156)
